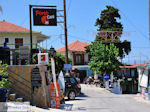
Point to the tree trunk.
(104, 80)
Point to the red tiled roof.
(134, 65)
(9, 27)
(75, 46)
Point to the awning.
(80, 67)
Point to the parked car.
(78, 79)
(72, 87)
(76, 75)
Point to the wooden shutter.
(74, 56)
(82, 59)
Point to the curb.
(140, 99)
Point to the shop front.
(82, 71)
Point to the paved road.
(96, 99)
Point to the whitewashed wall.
(86, 57)
(26, 41)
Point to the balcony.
(85, 63)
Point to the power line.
(141, 47)
(26, 18)
(130, 20)
(69, 6)
(55, 39)
(60, 21)
(79, 38)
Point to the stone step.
(19, 99)
(12, 97)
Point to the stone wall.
(20, 77)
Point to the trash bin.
(3, 94)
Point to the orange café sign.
(44, 17)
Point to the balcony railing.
(85, 63)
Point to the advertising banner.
(44, 17)
(67, 66)
(55, 100)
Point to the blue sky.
(81, 17)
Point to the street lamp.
(52, 52)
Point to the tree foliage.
(59, 63)
(4, 83)
(104, 58)
(108, 22)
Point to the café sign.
(44, 17)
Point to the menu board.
(36, 79)
(55, 100)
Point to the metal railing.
(16, 56)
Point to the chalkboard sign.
(36, 79)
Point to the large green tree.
(110, 30)
(104, 58)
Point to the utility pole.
(30, 7)
(134, 59)
(149, 21)
(65, 29)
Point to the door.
(18, 42)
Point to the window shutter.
(82, 59)
(74, 56)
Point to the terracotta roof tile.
(9, 27)
(75, 46)
(134, 65)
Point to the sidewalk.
(36, 109)
(22, 107)
(140, 99)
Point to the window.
(18, 42)
(78, 59)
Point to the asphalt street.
(94, 99)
